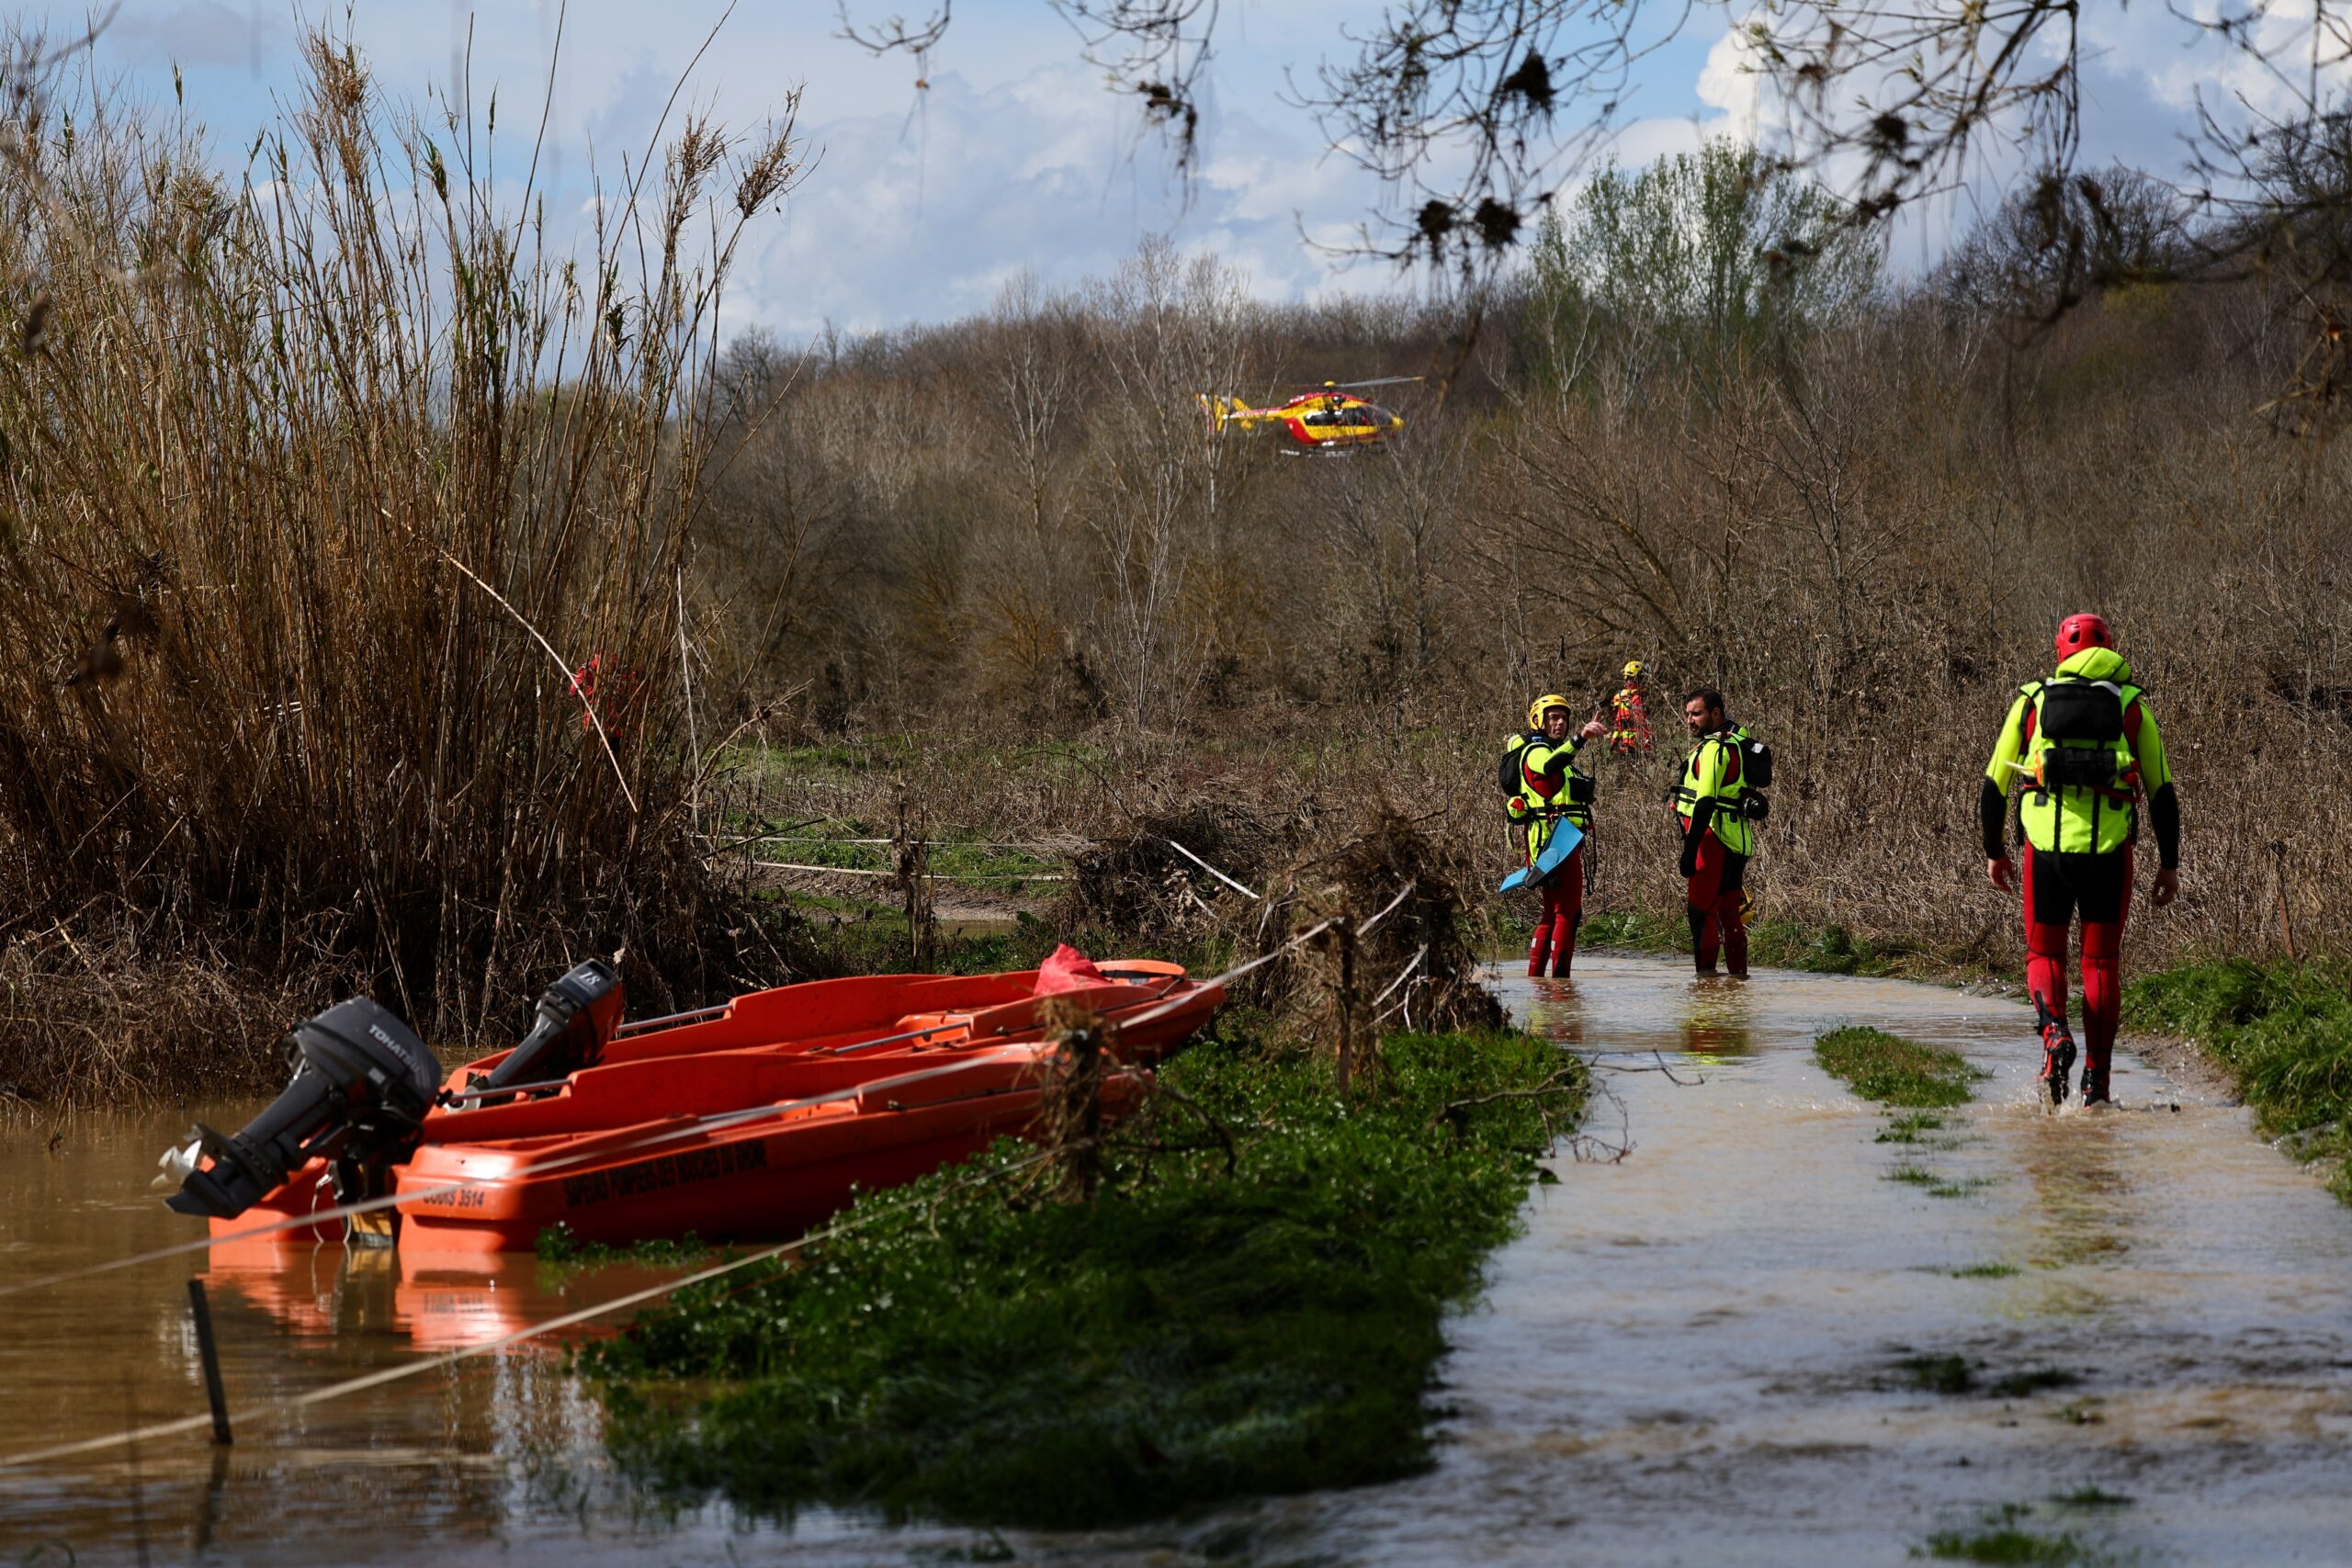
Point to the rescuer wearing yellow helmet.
(1551, 791)
(2079, 751)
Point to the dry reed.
(318, 480)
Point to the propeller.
(1377, 381)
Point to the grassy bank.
(1820, 948)
(2282, 1029)
(1206, 1328)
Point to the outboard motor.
(362, 1083)
(577, 1017)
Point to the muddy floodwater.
(1765, 1335)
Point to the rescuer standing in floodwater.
(1719, 811)
(1549, 792)
(2079, 750)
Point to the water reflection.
(1716, 1025)
(1722, 1309)
(1554, 1010)
(435, 1302)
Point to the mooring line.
(414, 1369)
(716, 1122)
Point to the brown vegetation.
(317, 483)
(315, 490)
(1864, 526)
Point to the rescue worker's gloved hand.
(1689, 866)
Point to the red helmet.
(2077, 632)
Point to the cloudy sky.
(923, 202)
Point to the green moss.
(1194, 1334)
(2283, 1030)
(1894, 1071)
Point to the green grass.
(1894, 1071)
(1193, 1336)
(2033, 1381)
(1820, 948)
(2000, 1539)
(2282, 1029)
(557, 1244)
(1985, 1272)
(2006, 1544)
(1907, 1129)
(1941, 1375)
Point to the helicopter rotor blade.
(1341, 386)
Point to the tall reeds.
(348, 525)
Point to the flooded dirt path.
(1748, 1342)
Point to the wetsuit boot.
(2095, 1081)
(1703, 938)
(2057, 1048)
(2057, 1058)
(1563, 947)
(1731, 919)
(1539, 952)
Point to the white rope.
(1402, 974)
(1206, 867)
(416, 1369)
(696, 1126)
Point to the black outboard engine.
(577, 1017)
(362, 1084)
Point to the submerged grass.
(1199, 1332)
(2283, 1029)
(2000, 1537)
(1892, 1070)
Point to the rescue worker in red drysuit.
(1550, 793)
(2079, 751)
(1717, 836)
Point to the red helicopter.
(1330, 418)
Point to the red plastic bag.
(1066, 969)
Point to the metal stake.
(210, 1355)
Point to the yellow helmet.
(1632, 669)
(1536, 709)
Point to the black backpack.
(1506, 771)
(1755, 763)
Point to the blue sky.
(921, 203)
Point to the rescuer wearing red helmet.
(2080, 752)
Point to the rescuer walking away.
(1719, 805)
(2079, 751)
(1544, 791)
